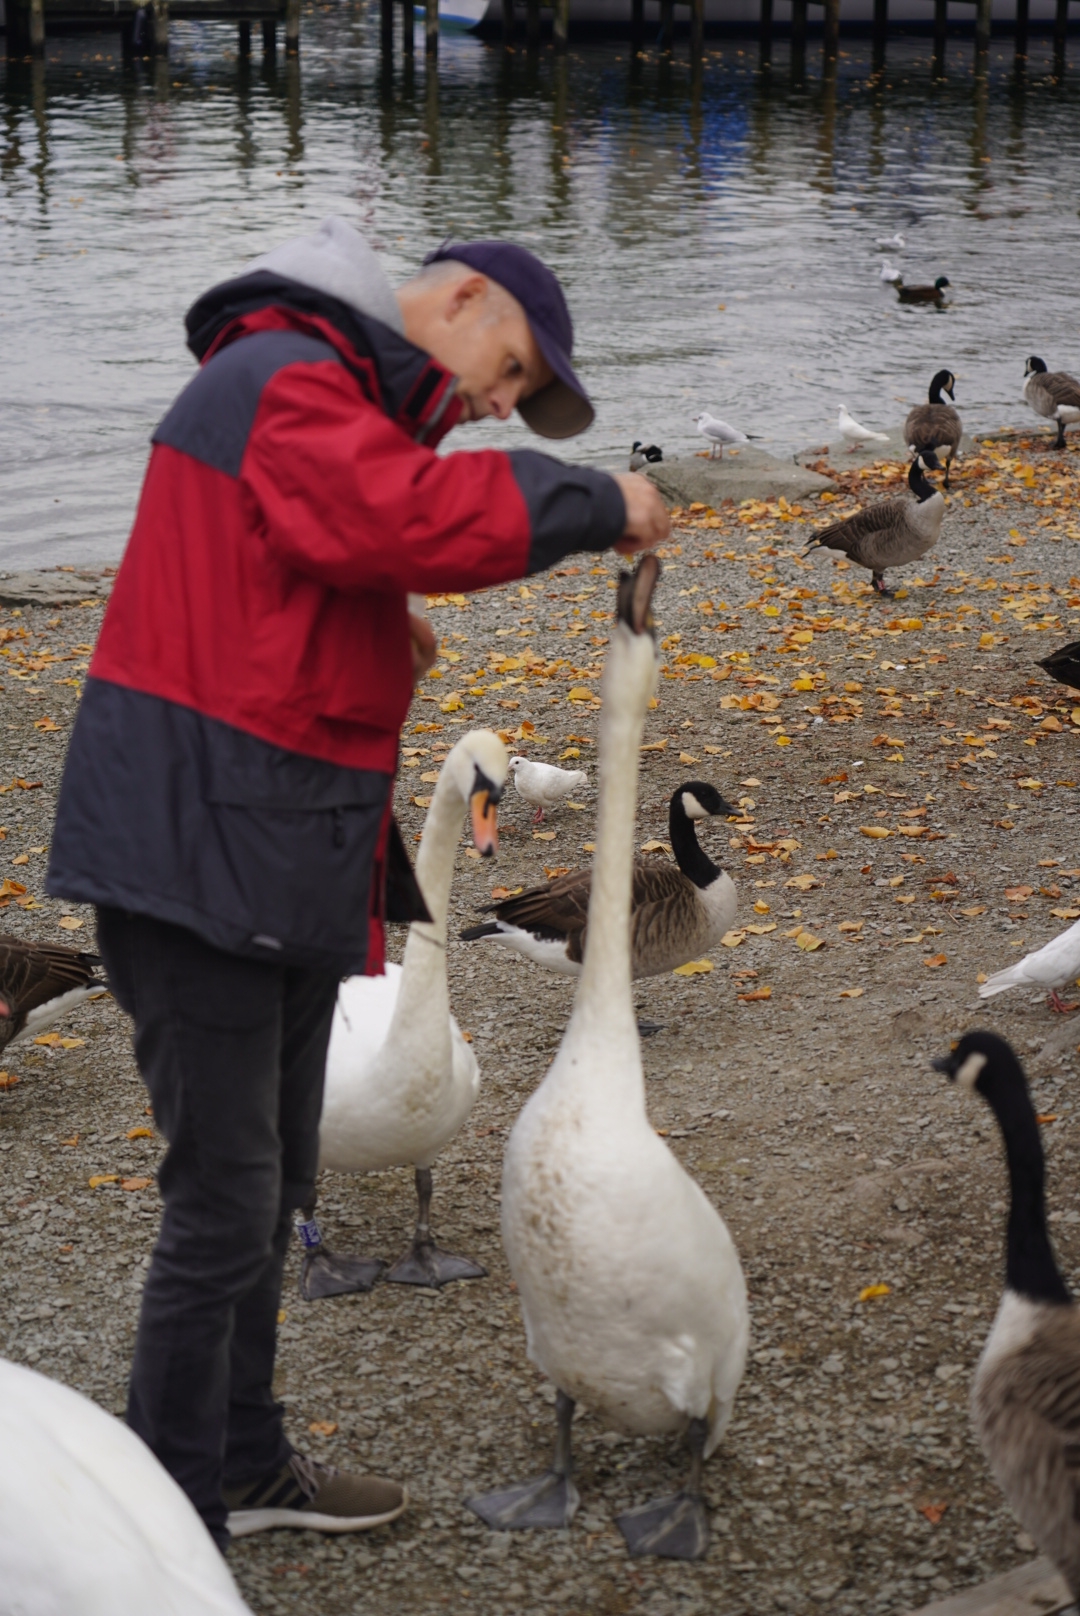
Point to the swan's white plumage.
(632, 1292)
(1049, 967)
(400, 1078)
(90, 1523)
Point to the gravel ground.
(848, 1480)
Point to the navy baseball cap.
(562, 408)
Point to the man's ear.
(464, 297)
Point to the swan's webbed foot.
(546, 1505)
(676, 1528)
(425, 1263)
(327, 1273)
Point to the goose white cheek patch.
(692, 808)
(968, 1074)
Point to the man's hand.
(424, 646)
(647, 520)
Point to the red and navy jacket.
(232, 761)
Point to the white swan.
(633, 1294)
(90, 1522)
(400, 1078)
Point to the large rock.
(55, 588)
(743, 473)
(842, 457)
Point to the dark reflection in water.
(716, 231)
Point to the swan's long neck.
(423, 997)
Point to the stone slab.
(1035, 1589)
(743, 473)
(53, 588)
(840, 455)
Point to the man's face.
(477, 330)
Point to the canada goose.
(890, 533)
(855, 433)
(935, 425)
(1053, 393)
(718, 433)
(1025, 1400)
(1064, 665)
(678, 912)
(542, 785)
(1051, 967)
(40, 982)
(642, 455)
(91, 1524)
(631, 1288)
(924, 294)
(400, 1078)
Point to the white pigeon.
(90, 1523)
(856, 434)
(543, 785)
(718, 433)
(1050, 967)
(894, 243)
(890, 273)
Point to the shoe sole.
(243, 1522)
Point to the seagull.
(718, 433)
(645, 454)
(894, 243)
(1051, 967)
(543, 785)
(890, 273)
(856, 434)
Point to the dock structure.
(144, 28)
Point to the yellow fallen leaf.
(70, 923)
(653, 846)
(910, 625)
(878, 832)
(982, 977)
(48, 1038)
(761, 907)
(323, 1427)
(935, 960)
(22, 858)
(571, 751)
(755, 995)
(762, 931)
(588, 847)
(655, 746)
(782, 740)
(732, 939)
(454, 704)
(543, 835)
(421, 802)
(71, 1043)
(579, 693)
(852, 993)
(45, 724)
(986, 641)
(135, 1183)
(802, 684)
(281, 1315)
(687, 757)
(808, 942)
(104, 1178)
(870, 1293)
(803, 883)
(577, 807)
(430, 776)
(1062, 914)
(11, 889)
(1030, 785)
(8, 1080)
(140, 1133)
(699, 967)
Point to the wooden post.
(269, 36)
(1061, 29)
(431, 29)
(881, 33)
(637, 27)
(1021, 29)
(667, 26)
(830, 45)
(37, 27)
(292, 27)
(243, 41)
(408, 29)
(798, 28)
(532, 24)
(507, 23)
(766, 32)
(386, 31)
(161, 27)
(562, 26)
(697, 30)
(941, 19)
(982, 27)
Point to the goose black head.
(694, 800)
(918, 481)
(1035, 367)
(943, 382)
(982, 1061)
(633, 601)
(699, 800)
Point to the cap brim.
(561, 409)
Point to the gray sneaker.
(308, 1494)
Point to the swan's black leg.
(325, 1273)
(425, 1263)
(547, 1504)
(676, 1528)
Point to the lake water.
(125, 192)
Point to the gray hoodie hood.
(337, 260)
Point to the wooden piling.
(941, 20)
(386, 31)
(243, 41)
(697, 29)
(982, 27)
(269, 33)
(292, 27)
(880, 33)
(161, 26)
(532, 23)
(507, 23)
(667, 26)
(1061, 29)
(637, 27)
(798, 28)
(431, 30)
(37, 27)
(408, 29)
(1021, 29)
(561, 28)
(830, 44)
(765, 32)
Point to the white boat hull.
(738, 15)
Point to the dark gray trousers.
(233, 1053)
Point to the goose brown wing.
(1063, 388)
(32, 974)
(847, 536)
(556, 911)
(929, 426)
(1027, 1412)
(663, 916)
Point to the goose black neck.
(919, 483)
(690, 856)
(935, 391)
(1030, 1268)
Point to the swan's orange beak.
(485, 821)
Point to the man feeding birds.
(226, 802)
